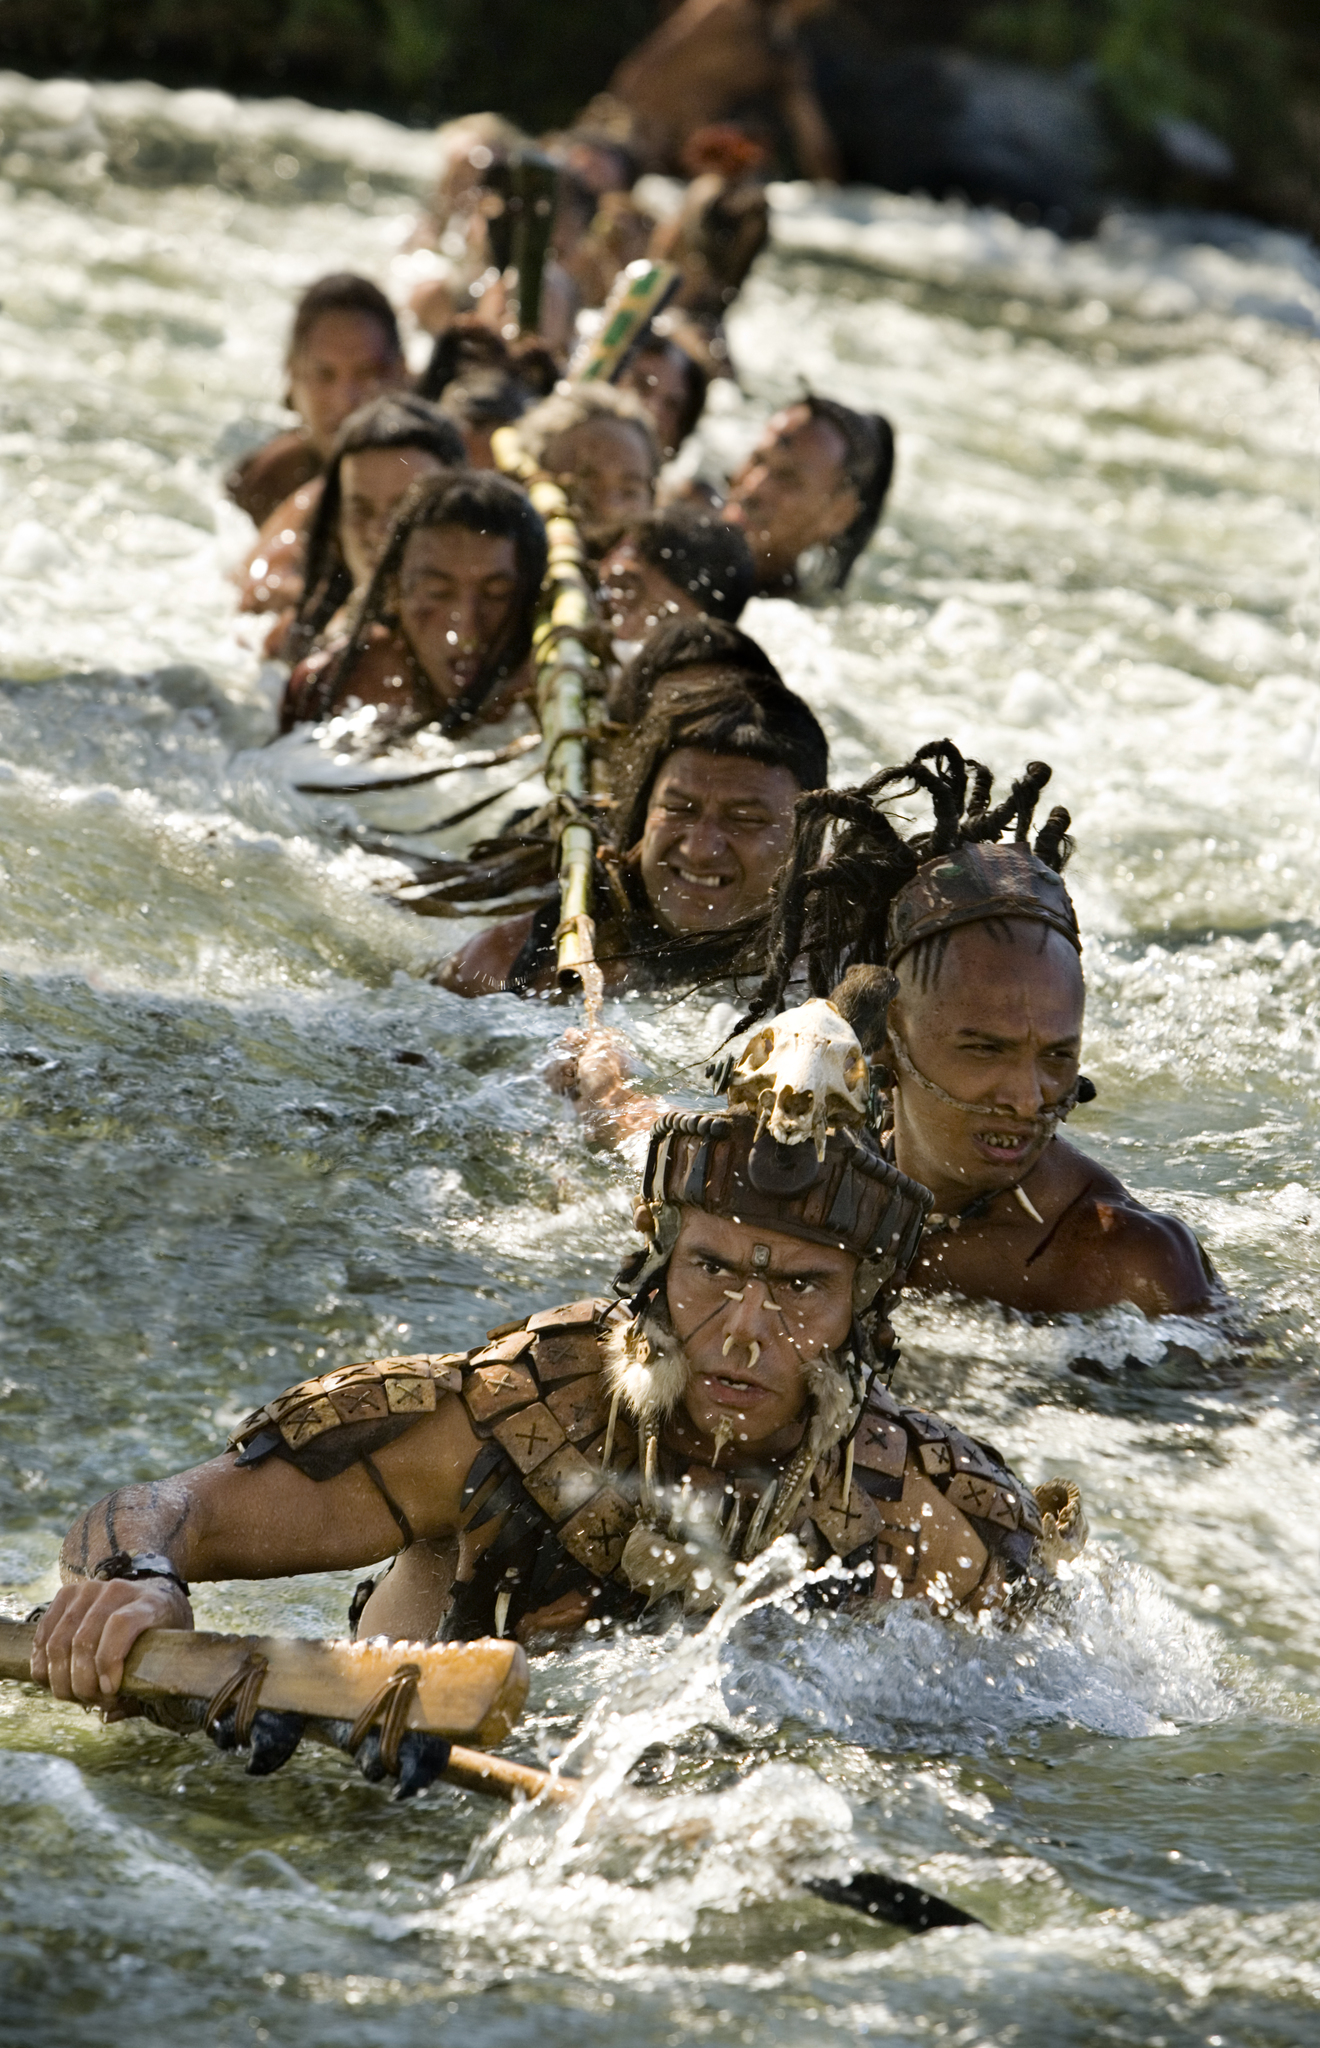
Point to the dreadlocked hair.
(847, 861)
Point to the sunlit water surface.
(245, 1141)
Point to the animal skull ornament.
(802, 1075)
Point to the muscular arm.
(1153, 1261)
(226, 1521)
(594, 1070)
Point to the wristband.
(147, 1564)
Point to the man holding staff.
(602, 1457)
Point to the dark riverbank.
(1056, 105)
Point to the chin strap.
(1044, 1120)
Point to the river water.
(246, 1141)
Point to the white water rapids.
(245, 1141)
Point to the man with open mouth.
(961, 959)
(595, 1461)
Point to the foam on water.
(246, 1140)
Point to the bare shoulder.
(375, 655)
(293, 513)
(1128, 1252)
(483, 966)
(400, 1412)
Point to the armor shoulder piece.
(325, 1425)
(972, 1477)
(523, 1364)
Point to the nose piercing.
(760, 1257)
(729, 1294)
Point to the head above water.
(763, 1253)
(674, 565)
(958, 955)
(410, 440)
(459, 577)
(600, 445)
(816, 481)
(344, 349)
(706, 792)
(671, 384)
(482, 381)
(689, 649)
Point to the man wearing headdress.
(962, 958)
(602, 1458)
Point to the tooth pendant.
(1027, 1203)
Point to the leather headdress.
(976, 885)
(852, 1198)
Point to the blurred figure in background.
(444, 628)
(672, 565)
(344, 348)
(382, 450)
(599, 444)
(671, 380)
(482, 381)
(706, 63)
(455, 224)
(810, 494)
(616, 233)
(722, 225)
(467, 276)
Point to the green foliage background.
(1249, 70)
(418, 60)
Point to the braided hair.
(847, 863)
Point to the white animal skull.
(802, 1074)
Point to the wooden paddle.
(343, 1691)
(349, 1693)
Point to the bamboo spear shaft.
(570, 704)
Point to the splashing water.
(247, 1141)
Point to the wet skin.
(748, 1330)
(659, 379)
(219, 1521)
(792, 493)
(607, 470)
(346, 359)
(716, 834)
(717, 829)
(1000, 1026)
(372, 483)
(457, 590)
(636, 597)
